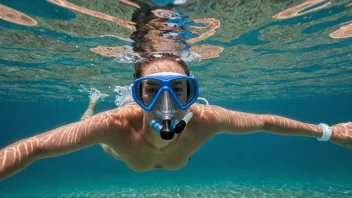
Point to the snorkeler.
(163, 129)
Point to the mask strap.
(203, 99)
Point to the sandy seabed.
(214, 189)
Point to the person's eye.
(177, 90)
(152, 91)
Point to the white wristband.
(327, 132)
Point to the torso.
(139, 154)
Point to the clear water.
(291, 67)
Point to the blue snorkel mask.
(166, 93)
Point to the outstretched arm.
(65, 139)
(227, 121)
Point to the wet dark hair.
(139, 67)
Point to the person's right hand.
(342, 135)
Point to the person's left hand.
(342, 134)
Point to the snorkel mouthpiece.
(167, 132)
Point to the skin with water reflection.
(126, 131)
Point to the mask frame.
(165, 78)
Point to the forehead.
(163, 66)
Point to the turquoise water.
(290, 67)
(256, 165)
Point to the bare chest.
(141, 155)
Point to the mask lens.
(147, 91)
(184, 89)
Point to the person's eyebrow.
(177, 83)
(152, 83)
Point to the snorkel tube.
(182, 124)
(167, 130)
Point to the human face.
(151, 87)
(180, 88)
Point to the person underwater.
(162, 128)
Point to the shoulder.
(125, 114)
(120, 121)
(204, 112)
(128, 110)
(207, 118)
(207, 115)
(218, 118)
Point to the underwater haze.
(288, 58)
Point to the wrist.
(326, 132)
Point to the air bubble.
(124, 94)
